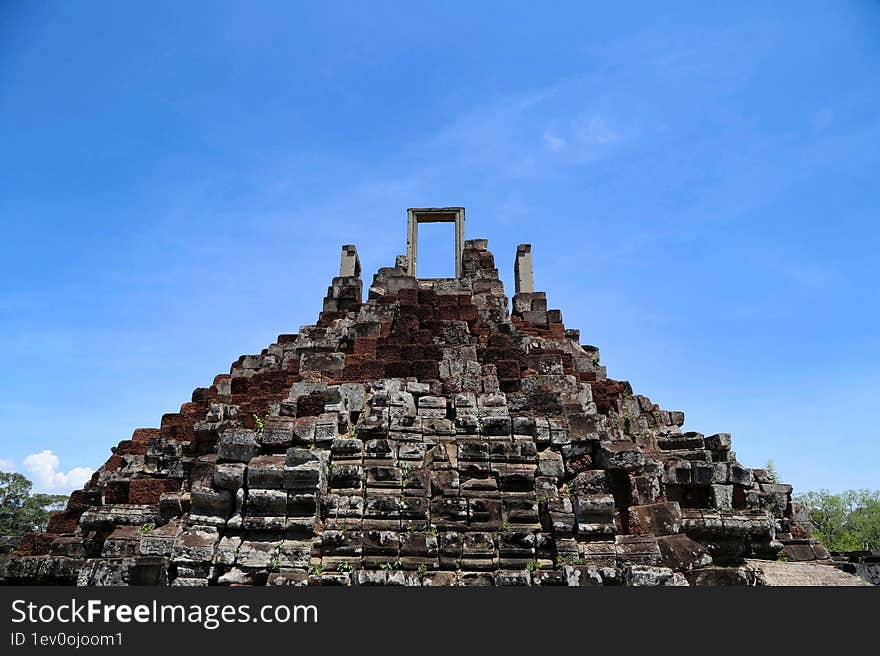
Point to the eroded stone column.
(523, 276)
(350, 264)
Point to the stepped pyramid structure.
(432, 434)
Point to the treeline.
(845, 521)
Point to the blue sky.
(700, 186)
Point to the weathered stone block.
(680, 553)
(495, 426)
(722, 497)
(656, 519)
(266, 502)
(146, 491)
(257, 554)
(644, 575)
(717, 576)
(237, 445)
(637, 549)
(277, 432)
(229, 476)
(512, 577)
(304, 471)
(594, 509)
(195, 545)
(211, 501)
(266, 472)
(718, 442)
(619, 455)
(550, 464)
(581, 576)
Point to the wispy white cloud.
(593, 129)
(6, 465)
(584, 138)
(554, 142)
(43, 470)
(522, 135)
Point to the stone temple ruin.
(433, 434)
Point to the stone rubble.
(438, 433)
(864, 564)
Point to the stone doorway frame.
(417, 215)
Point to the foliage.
(771, 471)
(848, 521)
(20, 510)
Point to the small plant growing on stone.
(146, 528)
(533, 566)
(571, 560)
(258, 423)
(433, 531)
(316, 570)
(505, 526)
(422, 569)
(275, 565)
(344, 566)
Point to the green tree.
(20, 510)
(847, 521)
(771, 470)
(864, 520)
